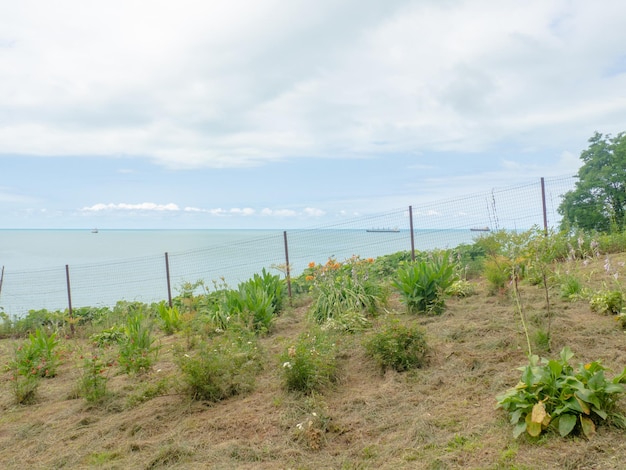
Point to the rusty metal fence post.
(287, 271)
(167, 275)
(69, 297)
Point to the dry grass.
(439, 417)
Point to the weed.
(94, 379)
(310, 364)
(397, 347)
(224, 367)
(137, 351)
(113, 335)
(38, 355)
(461, 288)
(607, 302)
(571, 287)
(170, 318)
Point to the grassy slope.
(442, 416)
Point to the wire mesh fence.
(440, 224)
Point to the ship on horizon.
(383, 229)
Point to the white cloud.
(240, 83)
(144, 206)
(313, 212)
(279, 212)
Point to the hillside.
(442, 416)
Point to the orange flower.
(312, 264)
(309, 278)
(370, 260)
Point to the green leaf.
(519, 429)
(555, 367)
(567, 422)
(566, 354)
(601, 413)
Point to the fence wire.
(442, 224)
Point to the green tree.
(598, 202)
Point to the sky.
(293, 113)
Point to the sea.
(53, 269)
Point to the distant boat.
(480, 229)
(383, 230)
(95, 230)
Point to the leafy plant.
(310, 364)
(607, 302)
(38, 355)
(551, 394)
(343, 287)
(461, 288)
(497, 271)
(398, 347)
(23, 385)
(94, 378)
(171, 320)
(224, 367)
(422, 284)
(571, 287)
(137, 351)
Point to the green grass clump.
(398, 347)
(224, 366)
(311, 363)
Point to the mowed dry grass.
(442, 416)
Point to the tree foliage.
(598, 202)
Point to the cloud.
(313, 212)
(144, 206)
(278, 212)
(283, 80)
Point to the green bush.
(170, 318)
(497, 270)
(310, 364)
(223, 367)
(422, 284)
(571, 287)
(338, 288)
(93, 382)
(461, 288)
(38, 355)
(35, 358)
(137, 351)
(551, 394)
(607, 303)
(398, 347)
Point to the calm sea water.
(113, 265)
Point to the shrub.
(461, 288)
(551, 394)
(343, 287)
(137, 351)
(35, 358)
(223, 367)
(310, 364)
(114, 335)
(171, 320)
(607, 303)
(422, 284)
(38, 355)
(571, 287)
(497, 271)
(398, 347)
(93, 382)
